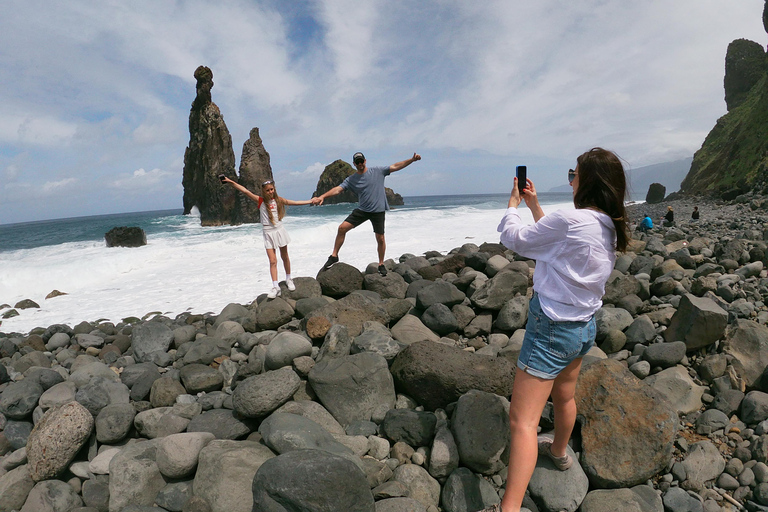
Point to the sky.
(95, 105)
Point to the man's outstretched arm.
(317, 201)
(405, 163)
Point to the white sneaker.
(274, 292)
(290, 285)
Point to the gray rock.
(56, 439)
(160, 422)
(628, 429)
(641, 498)
(280, 485)
(353, 387)
(198, 378)
(464, 491)
(95, 496)
(747, 341)
(15, 486)
(114, 422)
(421, 486)
(711, 421)
(259, 395)
(225, 472)
(284, 348)
(611, 319)
(513, 315)
(440, 319)
(273, 313)
(480, 427)
(411, 427)
(391, 286)
(641, 330)
(17, 433)
(402, 504)
(678, 388)
(317, 413)
(728, 401)
(150, 337)
(444, 454)
(703, 462)
(51, 496)
(177, 454)
(376, 342)
(352, 311)
(678, 500)
(134, 478)
(754, 407)
(101, 392)
(174, 495)
(205, 350)
(409, 330)
(59, 394)
(698, 322)
(284, 433)
(436, 375)
(222, 423)
(439, 292)
(665, 355)
(164, 392)
(340, 280)
(553, 489)
(499, 289)
(19, 399)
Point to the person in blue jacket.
(646, 223)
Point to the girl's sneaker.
(561, 463)
(290, 285)
(274, 292)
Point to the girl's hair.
(279, 200)
(603, 185)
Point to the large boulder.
(134, 478)
(480, 426)
(747, 341)
(553, 489)
(627, 428)
(126, 237)
(698, 321)
(641, 498)
(354, 387)
(56, 439)
(340, 280)
(656, 193)
(352, 311)
(225, 472)
(674, 384)
(495, 292)
(259, 395)
(150, 337)
(436, 375)
(281, 484)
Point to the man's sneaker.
(561, 463)
(382, 270)
(330, 262)
(274, 292)
(290, 285)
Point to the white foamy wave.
(202, 269)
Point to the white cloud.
(313, 171)
(141, 179)
(55, 187)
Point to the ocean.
(187, 267)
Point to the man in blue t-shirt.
(368, 184)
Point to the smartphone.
(522, 172)
(221, 178)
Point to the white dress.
(275, 235)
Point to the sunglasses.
(571, 175)
(268, 182)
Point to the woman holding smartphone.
(272, 211)
(574, 252)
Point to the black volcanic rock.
(745, 65)
(126, 237)
(254, 170)
(655, 193)
(337, 172)
(209, 154)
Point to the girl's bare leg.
(286, 260)
(272, 264)
(529, 396)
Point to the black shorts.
(358, 216)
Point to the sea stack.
(336, 172)
(254, 170)
(209, 154)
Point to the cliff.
(337, 172)
(734, 156)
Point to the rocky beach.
(362, 392)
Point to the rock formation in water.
(254, 170)
(337, 172)
(655, 193)
(125, 237)
(209, 154)
(734, 156)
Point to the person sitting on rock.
(695, 214)
(646, 224)
(669, 218)
(575, 253)
(272, 211)
(368, 184)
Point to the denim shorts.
(549, 346)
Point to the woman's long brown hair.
(603, 185)
(280, 204)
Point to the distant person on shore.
(368, 184)
(646, 223)
(272, 211)
(574, 252)
(669, 218)
(695, 214)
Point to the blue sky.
(95, 103)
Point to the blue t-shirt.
(646, 223)
(369, 188)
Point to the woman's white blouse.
(574, 253)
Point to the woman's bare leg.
(563, 399)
